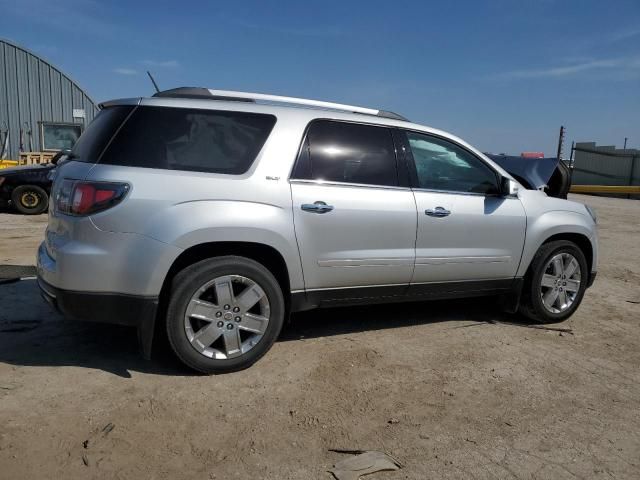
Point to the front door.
(355, 225)
(466, 231)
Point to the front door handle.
(317, 207)
(437, 212)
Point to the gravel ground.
(437, 385)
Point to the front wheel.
(224, 314)
(555, 283)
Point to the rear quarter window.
(97, 135)
(190, 139)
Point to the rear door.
(355, 222)
(466, 231)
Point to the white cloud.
(624, 34)
(162, 64)
(298, 30)
(86, 16)
(620, 64)
(125, 71)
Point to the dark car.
(548, 174)
(26, 188)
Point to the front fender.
(541, 227)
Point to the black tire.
(185, 285)
(30, 199)
(531, 305)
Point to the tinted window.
(93, 140)
(442, 165)
(190, 139)
(350, 153)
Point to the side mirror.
(62, 153)
(508, 187)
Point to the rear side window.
(190, 139)
(93, 140)
(349, 153)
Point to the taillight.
(76, 197)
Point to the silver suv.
(215, 214)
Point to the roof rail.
(229, 95)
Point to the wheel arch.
(264, 254)
(582, 242)
(559, 225)
(528, 302)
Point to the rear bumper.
(130, 310)
(93, 306)
(114, 308)
(87, 297)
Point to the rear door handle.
(437, 212)
(317, 207)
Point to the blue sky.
(502, 74)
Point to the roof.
(229, 95)
(298, 109)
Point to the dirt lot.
(20, 236)
(434, 384)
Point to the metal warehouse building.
(41, 108)
(605, 165)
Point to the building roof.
(49, 64)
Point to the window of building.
(59, 136)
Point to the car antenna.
(155, 85)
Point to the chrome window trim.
(454, 192)
(345, 184)
(451, 192)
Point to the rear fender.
(192, 223)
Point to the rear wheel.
(30, 199)
(556, 282)
(224, 314)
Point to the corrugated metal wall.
(33, 91)
(605, 165)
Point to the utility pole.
(560, 142)
(571, 160)
(625, 143)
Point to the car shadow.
(33, 334)
(345, 320)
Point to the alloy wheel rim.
(226, 317)
(29, 199)
(560, 282)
